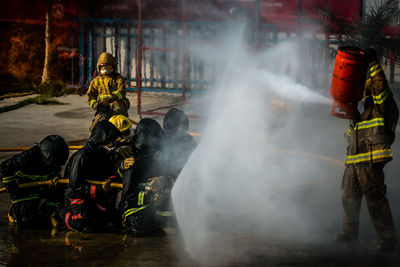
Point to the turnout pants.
(368, 180)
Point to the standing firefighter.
(33, 206)
(370, 136)
(107, 92)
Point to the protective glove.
(158, 190)
(123, 152)
(53, 182)
(106, 185)
(127, 163)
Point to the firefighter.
(145, 188)
(178, 143)
(33, 206)
(88, 205)
(370, 136)
(107, 91)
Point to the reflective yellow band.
(394, 127)
(379, 99)
(363, 157)
(349, 131)
(118, 94)
(120, 173)
(370, 123)
(376, 72)
(101, 81)
(140, 198)
(34, 177)
(25, 198)
(130, 212)
(92, 102)
(104, 96)
(8, 179)
(373, 67)
(165, 213)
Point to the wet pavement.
(43, 247)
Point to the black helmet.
(148, 136)
(103, 133)
(54, 150)
(175, 121)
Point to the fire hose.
(13, 149)
(61, 181)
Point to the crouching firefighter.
(107, 92)
(145, 196)
(370, 137)
(91, 206)
(178, 143)
(32, 206)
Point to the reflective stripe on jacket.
(371, 137)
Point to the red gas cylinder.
(348, 81)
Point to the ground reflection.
(46, 247)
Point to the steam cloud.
(254, 172)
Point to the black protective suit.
(178, 144)
(87, 205)
(140, 215)
(32, 207)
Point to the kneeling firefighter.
(144, 204)
(33, 206)
(178, 143)
(87, 205)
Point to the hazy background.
(268, 165)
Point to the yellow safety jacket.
(371, 137)
(105, 86)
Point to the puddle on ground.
(77, 113)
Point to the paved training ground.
(30, 124)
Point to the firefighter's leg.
(351, 201)
(142, 223)
(374, 189)
(95, 120)
(120, 107)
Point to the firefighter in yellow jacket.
(370, 137)
(107, 91)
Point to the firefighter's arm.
(125, 165)
(10, 168)
(92, 95)
(120, 91)
(376, 81)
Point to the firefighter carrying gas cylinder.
(370, 136)
(107, 91)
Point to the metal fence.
(167, 63)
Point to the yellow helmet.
(122, 122)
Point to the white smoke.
(248, 175)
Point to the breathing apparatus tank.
(348, 81)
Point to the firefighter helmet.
(122, 122)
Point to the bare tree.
(372, 31)
(45, 75)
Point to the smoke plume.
(261, 168)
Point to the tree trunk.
(47, 39)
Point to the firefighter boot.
(350, 220)
(382, 219)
